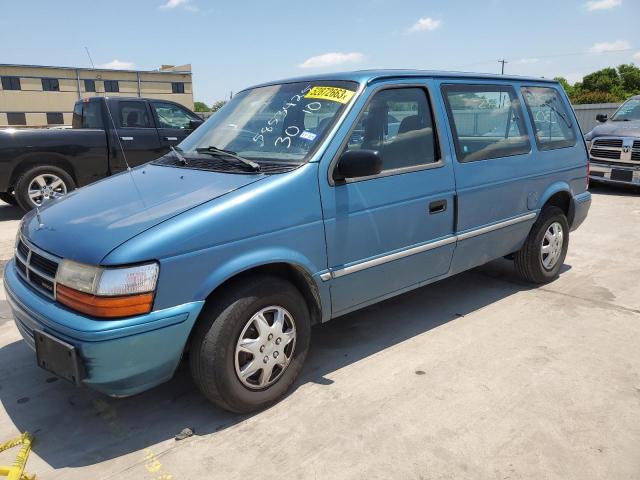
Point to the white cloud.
(614, 46)
(331, 59)
(636, 56)
(117, 65)
(592, 5)
(524, 61)
(424, 24)
(186, 4)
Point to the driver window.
(172, 116)
(398, 123)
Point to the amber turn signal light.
(104, 307)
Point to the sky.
(234, 44)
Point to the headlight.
(105, 291)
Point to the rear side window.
(398, 123)
(486, 121)
(87, 115)
(133, 115)
(550, 118)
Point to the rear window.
(550, 118)
(486, 121)
(133, 115)
(87, 115)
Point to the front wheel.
(40, 184)
(543, 253)
(250, 344)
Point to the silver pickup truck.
(614, 146)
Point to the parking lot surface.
(478, 376)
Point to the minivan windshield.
(282, 123)
(629, 110)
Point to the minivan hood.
(616, 129)
(88, 223)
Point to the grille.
(37, 268)
(636, 144)
(608, 142)
(635, 156)
(604, 153)
(215, 164)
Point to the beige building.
(37, 96)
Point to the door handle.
(437, 206)
(126, 139)
(171, 139)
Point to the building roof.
(163, 70)
(367, 76)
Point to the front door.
(135, 132)
(394, 230)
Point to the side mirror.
(602, 117)
(193, 124)
(358, 163)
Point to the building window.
(111, 86)
(89, 85)
(50, 85)
(55, 118)
(177, 87)
(11, 83)
(16, 118)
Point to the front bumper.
(119, 357)
(615, 174)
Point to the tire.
(48, 173)
(214, 357)
(7, 197)
(532, 264)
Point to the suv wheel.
(543, 253)
(40, 184)
(249, 345)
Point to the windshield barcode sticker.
(335, 94)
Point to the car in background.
(614, 146)
(108, 134)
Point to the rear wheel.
(8, 197)
(543, 253)
(40, 184)
(250, 344)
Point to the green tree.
(218, 105)
(201, 107)
(608, 85)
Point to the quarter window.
(486, 121)
(16, 118)
(134, 115)
(550, 118)
(10, 83)
(172, 116)
(55, 118)
(50, 85)
(398, 123)
(111, 86)
(177, 87)
(89, 85)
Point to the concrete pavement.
(479, 376)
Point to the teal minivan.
(298, 202)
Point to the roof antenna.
(90, 59)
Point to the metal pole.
(138, 76)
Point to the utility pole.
(503, 61)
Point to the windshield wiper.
(211, 150)
(178, 155)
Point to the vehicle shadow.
(77, 427)
(598, 188)
(9, 212)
